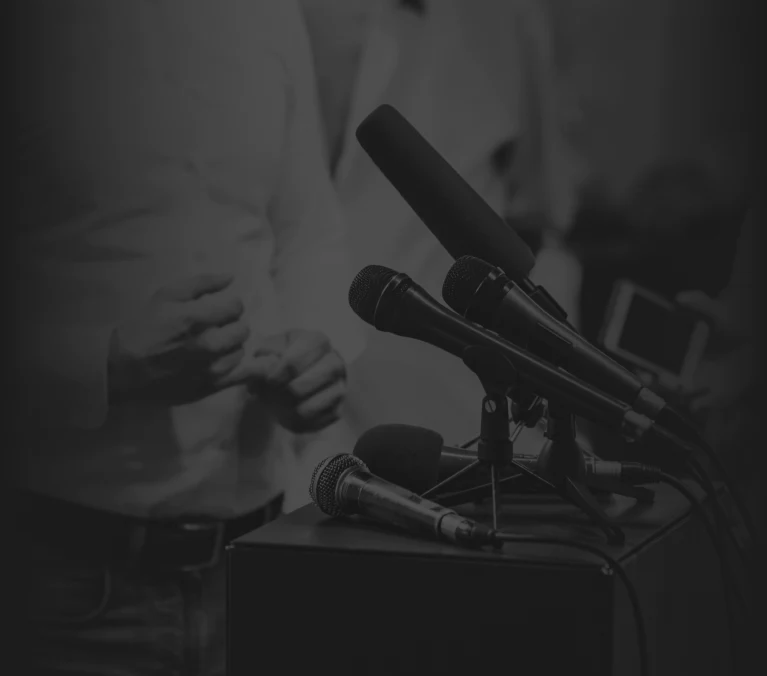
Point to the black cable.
(644, 668)
(728, 581)
(688, 430)
(698, 473)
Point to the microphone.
(482, 293)
(417, 459)
(454, 212)
(393, 302)
(342, 485)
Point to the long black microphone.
(482, 293)
(417, 458)
(452, 210)
(462, 221)
(342, 485)
(393, 302)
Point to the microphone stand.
(561, 466)
(562, 462)
(562, 456)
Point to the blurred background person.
(181, 269)
(727, 393)
(476, 79)
(676, 228)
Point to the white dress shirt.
(160, 141)
(470, 75)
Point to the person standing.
(180, 310)
(476, 79)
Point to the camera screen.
(657, 334)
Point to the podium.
(308, 593)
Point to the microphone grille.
(322, 488)
(462, 281)
(366, 290)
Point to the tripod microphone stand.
(561, 465)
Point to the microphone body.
(343, 485)
(404, 308)
(451, 209)
(483, 294)
(417, 459)
(465, 225)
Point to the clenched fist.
(184, 345)
(305, 383)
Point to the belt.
(186, 544)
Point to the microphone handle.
(544, 300)
(365, 494)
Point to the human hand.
(182, 346)
(727, 371)
(305, 382)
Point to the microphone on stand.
(453, 211)
(482, 293)
(393, 302)
(465, 225)
(418, 459)
(342, 485)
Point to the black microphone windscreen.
(452, 210)
(462, 281)
(402, 454)
(366, 289)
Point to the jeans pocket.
(67, 591)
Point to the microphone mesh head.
(322, 488)
(366, 290)
(462, 282)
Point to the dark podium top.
(363, 599)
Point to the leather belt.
(186, 544)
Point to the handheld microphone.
(342, 485)
(482, 293)
(464, 224)
(393, 302)
(417, 459)
(454, 212)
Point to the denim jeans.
(88, 618)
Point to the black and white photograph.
(386, 338)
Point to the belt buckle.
(218, 543)
(145, 544)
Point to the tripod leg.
(475, 494)
(579, 495)
(639, 493)
(446, 482)
(494, 479)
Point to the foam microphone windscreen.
(402, 454)
(452, 210)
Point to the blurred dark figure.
(181, 273)
(476, 78)
(676, 231)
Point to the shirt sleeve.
(61, 347)
(312, 267)
(61, 371)
(547, 172)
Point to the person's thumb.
(702, 303)
(252, 371)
